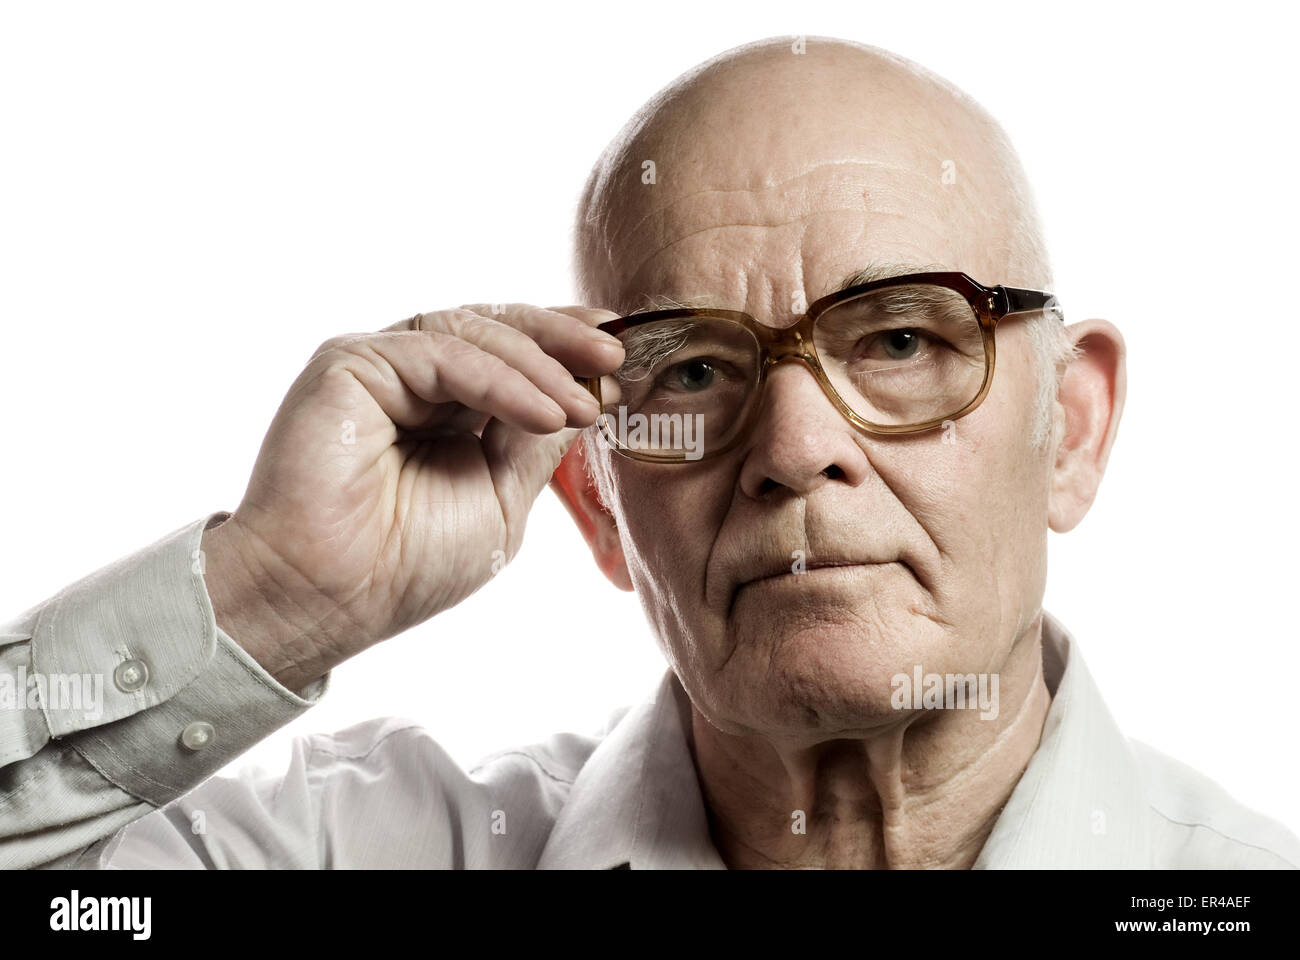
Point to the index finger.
(591, 316)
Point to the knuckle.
(489, 330)
(498, 311)
(336, 344)
(462, 323)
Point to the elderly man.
(801, 449)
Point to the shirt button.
(131, 675)
(197, 735)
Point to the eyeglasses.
(899, 355)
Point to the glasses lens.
(903, 355)
(684, 387)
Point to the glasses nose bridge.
(794, 345)
(788, 344)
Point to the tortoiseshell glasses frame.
(989, 305)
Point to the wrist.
(250, 593)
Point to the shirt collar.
(1080, 801)
(637, 801)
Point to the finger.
(407, 373)
(410, 323)
(585, 351)
(519, 348)
(588, 315)
(568, 334)
(520, 351)
(521, 464)
(544, 345)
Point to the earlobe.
(1091, 397)
(577, 491)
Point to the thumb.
(521, 463)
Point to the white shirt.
(133, 786)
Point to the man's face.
(771, 188)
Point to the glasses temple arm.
(1013, 300)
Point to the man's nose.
(800, 441)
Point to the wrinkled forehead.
(759, 191)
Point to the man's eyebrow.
(872, 271)
(884, 269)
(652, 303)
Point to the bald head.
(766, 178)
(740, 159)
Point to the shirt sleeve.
(117, 696)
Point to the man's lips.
(807, 568)
(787, 572)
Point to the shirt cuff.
(180, 698)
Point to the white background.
(192, 197)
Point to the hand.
(397, 476)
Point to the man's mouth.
(807, 568)
(806, 572)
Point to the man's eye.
(692, 375)
(900, 344)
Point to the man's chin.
(825, 678)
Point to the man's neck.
(923, 793)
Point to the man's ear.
(1092, 397)
(578, 493)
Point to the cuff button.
(197, 735)
(131, 675)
